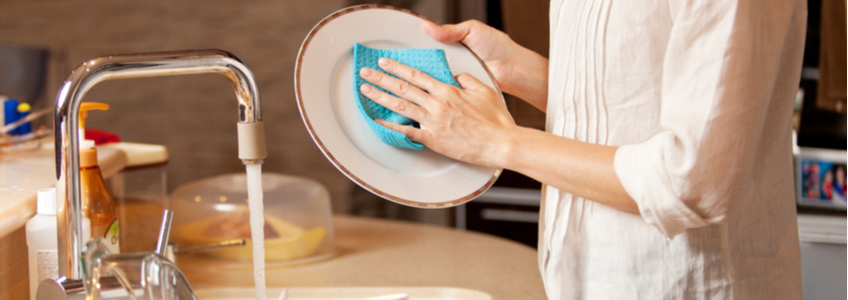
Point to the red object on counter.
(101, 137)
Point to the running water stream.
(257, 226)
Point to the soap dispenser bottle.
(97, 205)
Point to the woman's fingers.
(448, 33)
(396, 86)
(409, 74)
(400, 106)
(468, 82)
(445, 33)
(414, 134)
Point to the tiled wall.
(194, 116)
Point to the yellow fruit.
(290, 241)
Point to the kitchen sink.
(344, 293)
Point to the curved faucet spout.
(69, 211)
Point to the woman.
(658, 115)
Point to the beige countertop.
(382, 253)
(23, 173)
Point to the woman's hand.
(468, 124)
(517, 70)
(494, 47)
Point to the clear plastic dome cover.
(298, 218)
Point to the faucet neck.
(92, 72)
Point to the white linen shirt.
(699, 97)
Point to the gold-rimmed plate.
(324, 88)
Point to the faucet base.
(61, 289)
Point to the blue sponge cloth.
(430, 61)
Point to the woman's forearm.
(528, 78)
(580, 168)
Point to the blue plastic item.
(430, 61)
(10, 113)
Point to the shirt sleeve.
(719, 75)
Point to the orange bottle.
(97, 205)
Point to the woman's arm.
(471, 124)
(583, 169)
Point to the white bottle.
(41, 241)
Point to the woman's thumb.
(445, 34)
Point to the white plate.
(324, 88)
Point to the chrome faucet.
(251, 133)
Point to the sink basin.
(344, 293)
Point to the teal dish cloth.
(430, 61)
